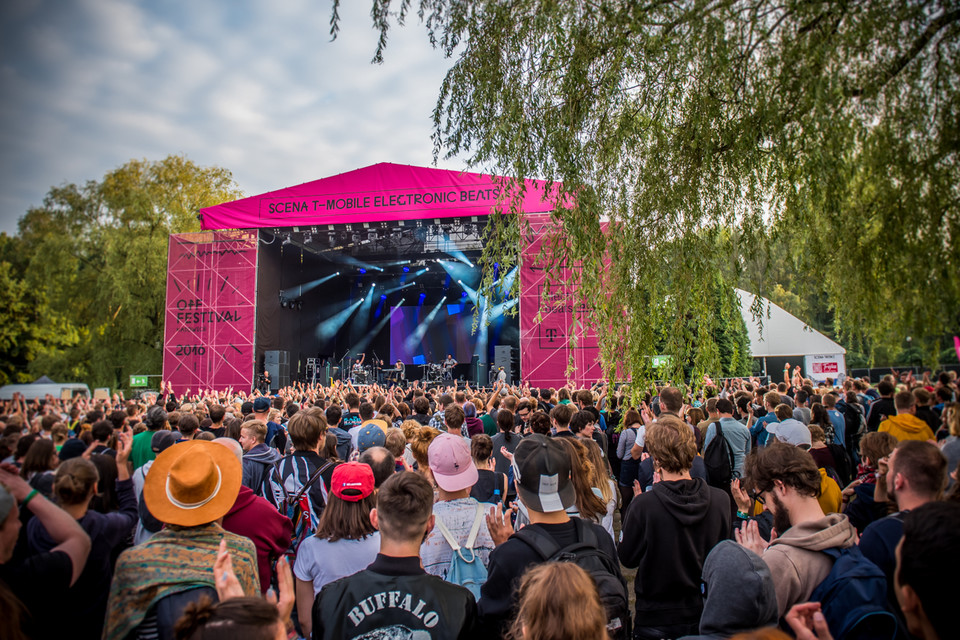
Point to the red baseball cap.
(352, 481)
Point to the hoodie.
(474, 426)
(906, 426)
(257, 465)
(253, 517)
(795, 561)
(667, 533)
(739, 593)
(344, 442)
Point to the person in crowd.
(506, 439)
(345, 541)
(307, 430)
(951, 445)
(860, 507)
(420, 445)
(190, 487)
(334, 415)
(916, 473)
(453, 419)
(758, 430)
(102, 432)
(371, 434)
(261, 412)
(587, 504)
(217, 415)
(668, 532)
(602, 485)
(394, 596)
(738, 593)
(926, 555)
(786, 480)
(561, 416)
(381, 461)
(836, 419)
(906, 425)
(542, 469)
(155, 420)
(258, 459)
(734, 432)
(39, 465)
(884, 407)
(490, 487)
(32, 587)
(454, 474)
(234, 619)
(421, 410)
(74, 487)
(628, 465)
(801, 411)
(255, 518)
(544, 610)
(188, 426)
(473, 424)
(147, 525)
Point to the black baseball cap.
(541, 468)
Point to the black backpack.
(718, 459)
(604, 570)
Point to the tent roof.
(43, 380)
(378, 193)
(783, 333)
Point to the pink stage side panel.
(546, 346)
(210, 310)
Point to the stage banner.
(210, 311)
(547, 345)
(822, 366)
(378, 193)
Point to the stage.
(379, 262)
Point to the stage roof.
(380, 192)
(784, 334)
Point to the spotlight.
(406, 269)
(373, 285)
(463, 295)
(362, 270)
(383, 297)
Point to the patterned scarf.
(173, 560)
(867, 475)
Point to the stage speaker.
(503, 356)
(277, 362)
(478, 371)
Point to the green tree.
(97, 255)
(831, 126)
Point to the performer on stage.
(397, 375)
(448, 366)
(357, 373)
(265, 385)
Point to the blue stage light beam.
(458, 271)
(470, 291)
(364, 342)
(508, 279)
(363, 314)
(416, 337)
(327, 329)
(461, 256)
(399, 287)
(299, 290)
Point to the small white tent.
(783, 335)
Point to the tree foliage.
(88, 268)
(709, 132)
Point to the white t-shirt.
(321, 561)
(458, 517)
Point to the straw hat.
(192, 483)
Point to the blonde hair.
(581, 473)
(544, 610)
(420, 443)
(600, 478)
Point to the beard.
(781, 517)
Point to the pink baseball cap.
(451, 464)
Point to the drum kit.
(432, 373)
(362, 375)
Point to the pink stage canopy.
(376, 193)
(211, 280)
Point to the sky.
(253, 86)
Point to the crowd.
(747, 510)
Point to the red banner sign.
(210, 310)
(547, 345)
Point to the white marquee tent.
(783, 335)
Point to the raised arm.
(63, 529)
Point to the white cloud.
(256, 87)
